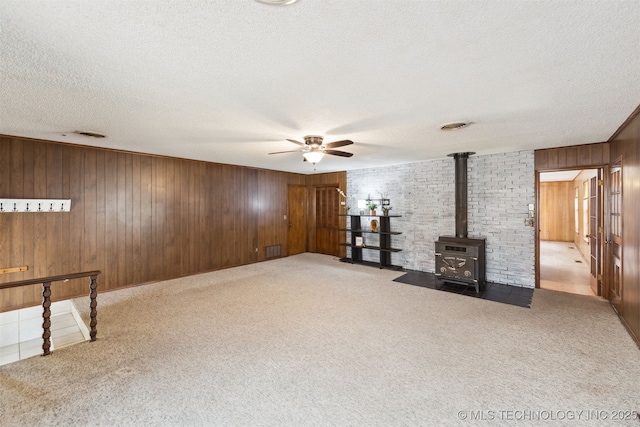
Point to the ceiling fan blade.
(337, 144)
(338, 153)
(289, 151)
(296, 142)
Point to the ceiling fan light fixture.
(313, 157)
(313, 148)
(313, 141)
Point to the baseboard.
(629, 330)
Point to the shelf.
(376, 216)
(384, 240)
(375, 248)
(391, 233)
(373, 264)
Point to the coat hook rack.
(34, 205)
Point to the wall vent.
(273, 251)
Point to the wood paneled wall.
(557, 211)
(626, 144)
(138, 218)
(573, 157)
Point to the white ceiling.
(229, 80)
(559, 176)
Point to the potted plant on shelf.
(372, 207)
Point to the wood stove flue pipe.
(461, 192)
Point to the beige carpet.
(307, 340)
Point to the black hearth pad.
(507, 294)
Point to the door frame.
(616, 303)
(596, 232)
(603, 170)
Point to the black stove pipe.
(461, 193)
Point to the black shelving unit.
(384, 232)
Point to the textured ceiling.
(229, 80)
(559, 176)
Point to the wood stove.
(460, 259)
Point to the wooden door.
(297, 201)
(614, 239)
(595, 232)
(327, 230)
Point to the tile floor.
(513, 295)
(563, 268)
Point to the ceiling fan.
(313, 149)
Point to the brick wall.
(500, 188)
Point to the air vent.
(277, 2)
(273, 251)
(454, 126)
(90, 133)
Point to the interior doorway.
(570, 231)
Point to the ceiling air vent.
(454, 125)
(277, 2)
(90, 133)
